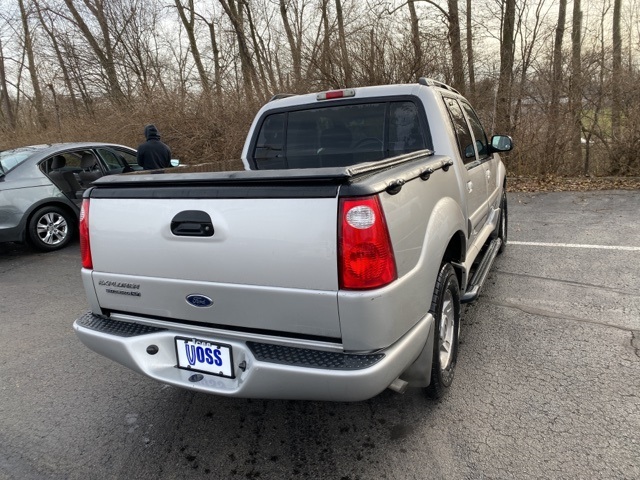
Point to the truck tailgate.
(271, 263)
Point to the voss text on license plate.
(204, 356)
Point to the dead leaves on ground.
(574, 184)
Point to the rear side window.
(339, 135)
(269, 149)
(405, 134)
(463, 134)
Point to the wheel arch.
(52, 202)
(456, 253)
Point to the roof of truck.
(289, 99)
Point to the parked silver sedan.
(41, 188)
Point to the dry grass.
(195, 132)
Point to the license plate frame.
(199, 355)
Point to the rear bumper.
(270, 370)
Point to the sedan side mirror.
(501, 143)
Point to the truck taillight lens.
(365, 252)
(85, 246)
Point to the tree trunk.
(617, 70)
(296, 50)
(576, 86)
(103, 53)
(503, 95)
(346, 65)
(217, 72)
(189, 26)
(456, 46)
(266, 70)
(326, 42)
(35, 82)
(556, 84)
(63, 66)
(234, 10)
(472, 75)
(4, 92)
(415, 40)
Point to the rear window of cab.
(339, 135)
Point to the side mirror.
(501, 143)
(175, 162)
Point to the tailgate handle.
(192, 223)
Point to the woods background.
(560, 76)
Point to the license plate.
(204, 356)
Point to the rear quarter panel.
(421, 218)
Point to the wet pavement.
(547, 382)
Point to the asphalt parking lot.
(547, 383)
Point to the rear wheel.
(445, 307)
(51, 228)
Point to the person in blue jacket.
(153, 154)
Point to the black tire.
(503, 226)
(51, 228)
(445, 307)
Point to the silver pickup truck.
(333, 268)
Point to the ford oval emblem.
(199, 300)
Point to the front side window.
(478, 131)
(461, 128)
(112, 160)
(339, 135)
(128, 157)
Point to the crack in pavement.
(575, 284)
(560, 316)
(635, 343)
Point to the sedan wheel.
(51, 228)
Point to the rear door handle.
(192, 223)
(469, 187)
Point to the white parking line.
(576, 245)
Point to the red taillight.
(365, 252)
(85, 246)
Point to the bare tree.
(5, 105)
(503, 95)
(617, 70)
(470, 60)
(575, 93)
(188, 17)
(217, 70)
(415, 39)
(342, 38)
(235, 10)
(556, 85)
(295, 42)
(103, 47)
(31, 66)
(456, 46)
(48, 27)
